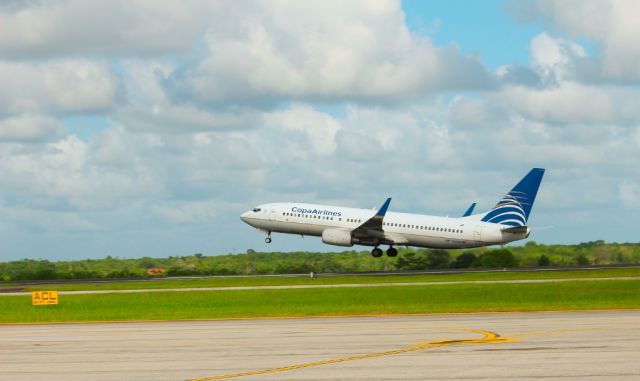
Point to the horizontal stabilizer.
(516, 230)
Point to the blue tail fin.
(515, 206)
(470, 210)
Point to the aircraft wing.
(372, 228)
(373, 224)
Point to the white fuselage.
(398, 228)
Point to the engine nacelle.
(338, 237)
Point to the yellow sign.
(40, 298)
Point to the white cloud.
(191, 212)
(183, 118)
(328, 51)
(572, 102)
(318, 130)
(612, 25)
(30, 128)
(629, 192)
(65, 86)
(553, 57)
(61, 175)
(119, 27)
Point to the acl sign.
(39, 298)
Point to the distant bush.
(438, 259)
(464, 260)
(544, 260)
(412, 261)
(252, 262)
(582, 260)
(496, 258)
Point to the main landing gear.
(268, 239)
(376, 252)
(391, 252)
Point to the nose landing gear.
(268, 239)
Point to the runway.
(595, 345)
(339, 285)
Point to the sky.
(145, 128)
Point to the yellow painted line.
(489, 338)
(363, 315)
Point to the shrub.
(497, 258)
(464, 260)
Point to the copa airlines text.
(341, 226)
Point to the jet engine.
(338, 237)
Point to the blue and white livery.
(505, 222)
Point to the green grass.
(584, 295)
(279, 281)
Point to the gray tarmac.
(594, 345)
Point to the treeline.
(251, 262)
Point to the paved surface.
(346, 285)
(598, 345)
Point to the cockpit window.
(256, 210)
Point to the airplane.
(341, 226)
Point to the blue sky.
(477, 27)
(149, 134)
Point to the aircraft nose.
(244, 216)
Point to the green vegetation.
(251, 263)
(280, 281)
(611, 294)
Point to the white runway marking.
(348, 285)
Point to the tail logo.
(509, 210)
(514, 208)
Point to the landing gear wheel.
(392, 252)
(376, 252)
(267, 240)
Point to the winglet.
(470, 210)
(383, 208)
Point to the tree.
(438, 259)
(464, 260)
(497, 258)
(582, 260)
(411, 261)
(543, 260)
